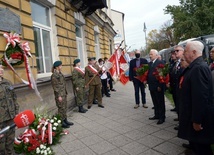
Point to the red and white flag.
(117, 66)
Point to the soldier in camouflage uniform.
(78, 78)
(59, 85)
(8, 109)
(92, 79)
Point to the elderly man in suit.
(138, 85)
(156, 88)
(196, 108)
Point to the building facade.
(118, 20)
(56, 30)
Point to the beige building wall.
(64, 47)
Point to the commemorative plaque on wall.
(9, 21)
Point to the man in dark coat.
(196, 109)
(156, 88)
(136, 63)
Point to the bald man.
(196, 107)
(138, 85)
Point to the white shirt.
(104, 75)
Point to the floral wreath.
(15, 50)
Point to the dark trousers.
(139, 87)
(202, 149)
(174, 94)
(110, 81)
(104, 86)
(159, 104)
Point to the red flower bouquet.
(162, 73)
(142, 72)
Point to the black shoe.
(187, 146)
(95, 102)
(89, 107)
(153, 118)
(160, 121)
(101, 106)
(153, 107)
(113, 90)
(84, 109)
(108, 95)
(176, 119)
(64, 125)
(81, 110)
(176, 128)
(68, 123)
(173, 109)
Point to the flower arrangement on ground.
(142, 72)
(162, 73)
(40, 136)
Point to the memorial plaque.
(9, 21)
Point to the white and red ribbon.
(12, 39)
(79, 70)
(92, 69)
(50, 139)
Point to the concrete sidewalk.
(119, 129)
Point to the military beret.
(91, 58)
(76, 61)
(57, 63)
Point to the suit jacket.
(175, 73)
(132, 66)
(89, 75)
(152, 80)
(197, 105)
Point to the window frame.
(50, 30)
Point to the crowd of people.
(191, 84)
(192, 87)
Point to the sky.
(136, 13)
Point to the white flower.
(54, 128)
(49, 152)
(45, 152)
(37, 150)
(52, 121)
(38, 126)
(55, 118)
(55, 124)
(48, 149)
(44, 147)
(59, 121)
(41, 146)
(42, 152)
(43, 128)
(40, 119)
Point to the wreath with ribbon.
(16, 53)
(15, 50)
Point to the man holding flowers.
(156, 87)
(138, 84)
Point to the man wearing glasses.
(175, 74)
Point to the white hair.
(155, 51)
(196, 46)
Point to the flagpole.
(144, 29)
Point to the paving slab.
(119, 129)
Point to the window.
(42, 37)
(96, 45)
(79, 40)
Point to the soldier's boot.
(68, 123)
(84, 109)
(81, 110)
(64, 125)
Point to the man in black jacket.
(136, 63)
(196, 109)
(156, 88)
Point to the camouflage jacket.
(59, 84)
(89, 75)
(78, 79)
(8, 101)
